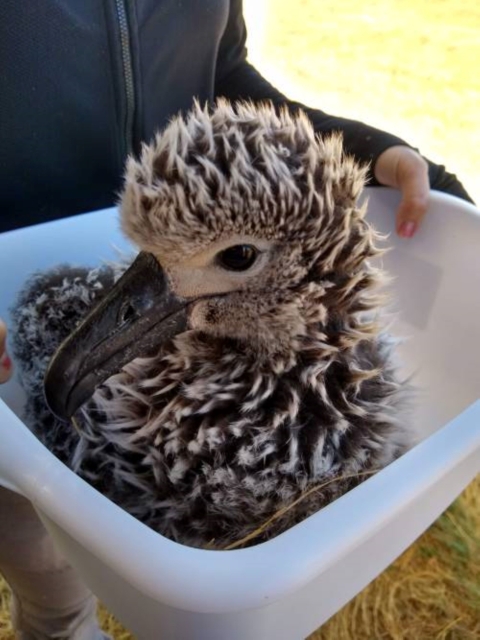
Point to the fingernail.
(5, 368)
(407, 229)
(6, 363)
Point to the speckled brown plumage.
(284, 378)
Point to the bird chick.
(240, 361)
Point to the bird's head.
(248, 228)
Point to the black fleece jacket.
(83, 83)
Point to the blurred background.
(410, 67)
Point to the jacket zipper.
(127, 73)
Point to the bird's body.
(278, 383)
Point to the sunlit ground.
(409, 67)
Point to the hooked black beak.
(136, 316)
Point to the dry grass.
(410, 68)
(432, 592)
(5, 627)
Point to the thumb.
(414, 186)
(405, 169)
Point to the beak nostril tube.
(127, 314)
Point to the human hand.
(405, 169)
(5, 362)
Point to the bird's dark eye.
(238, 258)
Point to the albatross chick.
(240, 360)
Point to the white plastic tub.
(287, 587)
